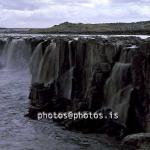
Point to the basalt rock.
(2, 44)
(90, 74)
(138, 103)
(139, 141)
(100, 72)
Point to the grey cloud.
(44, 13)
(36, 4)
(69, 1)
(20, 4)
(131, 1)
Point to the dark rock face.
(2, 44)
(90, 75)
(95, 96)
(136, 142)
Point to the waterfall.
(4, 50)
(65, 84)
(16, 54)
(35, 61)
(118, 90)
(3, 42)
(127, 54)
(48, 66)
(70, 53)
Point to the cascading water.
(70, 54)
(3, 52)
(16, 54)
(45, 68)
(45, 73)
(2, 44)
(127, 54)
(35, 61)
(79, 68)
(18, 132)
(65, 84)
(118, 90)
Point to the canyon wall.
(94, 74)
(87, 74)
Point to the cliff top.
(118, 28)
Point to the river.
(20, 133)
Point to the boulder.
(139, 141)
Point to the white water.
(35, 61)
(16, 54)
(118, 90)
(20, 133)
(49, 60)
(74, 35)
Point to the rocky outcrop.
(96, 75)
(139, 141)
(2, 44)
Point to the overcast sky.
(45, 13)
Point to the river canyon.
(72, 73)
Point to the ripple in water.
(20, 133)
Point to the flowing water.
(20, 133)
(76, 35)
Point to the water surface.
(20, 133)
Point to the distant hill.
(2, 29)
(14, 30)
(103, 28)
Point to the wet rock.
(139, 141)
(38, 95)
(36, 59)
(41, 96)
(2, 44)
(32, 112)
(100, 73)
(118, 89)
(128, 52)
(61, 104)
(138, 105)
(147, 86)
(90, 74)
(65, 84)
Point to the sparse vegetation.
(103, 28)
